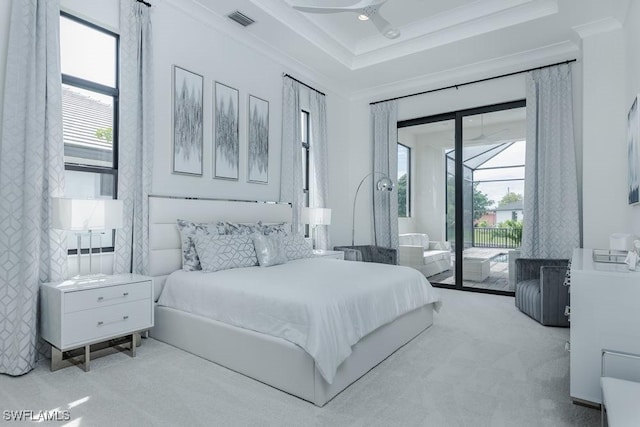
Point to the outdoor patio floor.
(498, 274)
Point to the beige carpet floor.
(482, 363)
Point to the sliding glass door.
(467, 186)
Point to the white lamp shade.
(86, 214)
(316, 216)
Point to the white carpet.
(482, 363)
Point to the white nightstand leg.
(87, 357)
(56, 359)
(135, 337)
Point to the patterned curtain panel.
(551, 218)
(135, 149)
(31, 173)
(291, 165)
(384, 128)
(319, 163)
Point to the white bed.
(255, 349)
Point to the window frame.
(101, 89)
(306, 145)
(408, 210)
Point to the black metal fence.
(489, 237)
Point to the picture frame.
(633, 151)
(187, 121)
(226, 132)
(258, 140)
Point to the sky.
(86, 53)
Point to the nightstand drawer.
(93, 325)
(106, 296)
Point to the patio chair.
(540, 290)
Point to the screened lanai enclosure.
(491, 149)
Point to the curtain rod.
(302, 83)
(144, 3)
(473, 82)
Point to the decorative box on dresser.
(77, 313)
(605, 313)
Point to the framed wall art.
(187, 122)
(226, 132)
(633, 150)
(258, 141)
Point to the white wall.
(605, 106)
(632, 50)
(183, 39)
(428, 206)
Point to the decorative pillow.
(223, 252)
(269, 249)
(188, 229)
(236, 229)
(297, 247)
(283, 228)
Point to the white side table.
(329, 254)
(88, 310)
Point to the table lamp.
(315, 217)
(85, 216)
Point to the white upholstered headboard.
(165, 251)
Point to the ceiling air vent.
(240, 18)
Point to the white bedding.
(323, 305)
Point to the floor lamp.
(315, 217)
(85, 216)
(383, 184)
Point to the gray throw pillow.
(269, 249)
(297, 247)
(237, 228)
(188, 230)
(223, 252)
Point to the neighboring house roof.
(513, 206)
(81, 117)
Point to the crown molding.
(444, 28)
(597, 27)
(199, 12)
(496, 66)
(498, 18)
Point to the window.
(89, 63)
(404, 181)
(304, 137)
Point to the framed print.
(187, 122)
(226, 132)
(258, 141)
(633, 149)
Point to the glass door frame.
(458, 117)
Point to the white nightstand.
(329, 254)
(80, 312)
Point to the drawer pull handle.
(125, 294)
(125, 317)
(100, 298)
(100, 323)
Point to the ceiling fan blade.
(357, 7)
(384, 26)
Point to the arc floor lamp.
(383, 184)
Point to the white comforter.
(325, 306)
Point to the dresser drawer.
(106, 296)
(105, 322)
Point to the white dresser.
(80, 312)
(605, 313)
